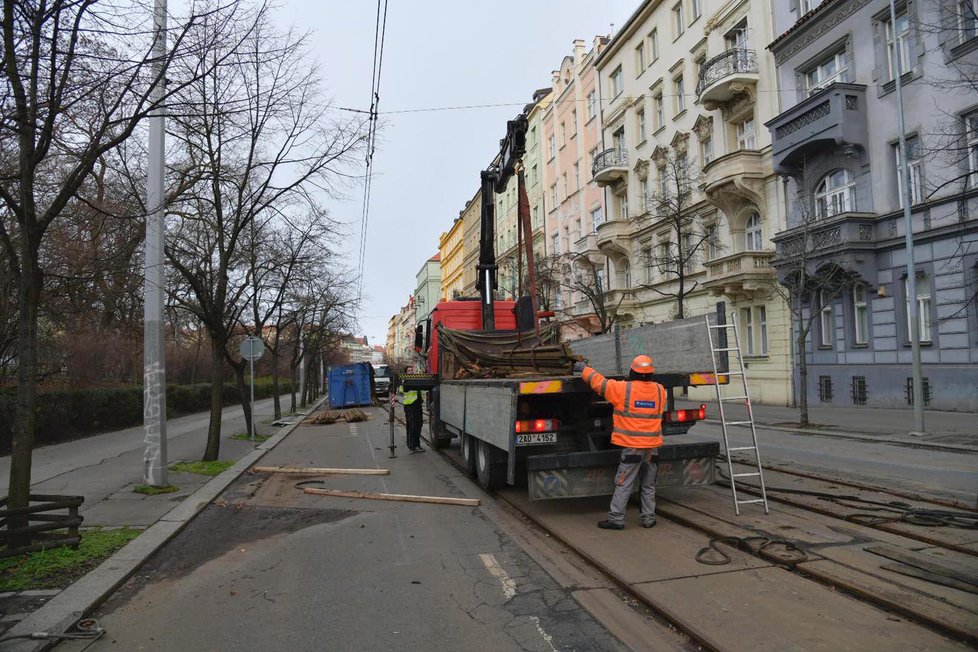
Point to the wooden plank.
(928, 576)
(312, 470)
(927, 563)
(441, 500)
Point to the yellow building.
(450, 245)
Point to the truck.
(546, 427)
(382, 380)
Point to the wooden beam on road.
(407, 498)
(312, 470)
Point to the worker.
(637, 427)
(413, 417)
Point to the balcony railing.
(731, 62)
(610, 165)
(742, 272)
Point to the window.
(654, 44)
(599, 279)
(593, 154)
(563, 182)
(573, 122)
(860, 314)
(914, 164)
(618, 138)
(641, 125)
(577, 176)
(552, 146)
(736, 39)
(679, 89)
(658, 105)
(689, 253)
(678, 19)
(825, 389)
(665, 255)
(762, 328)
(536, 217)
(556, 239)
(706, 150)
(923, 306)
(644, 187)
(663, 184)
(894, 38)
(967, 19)
(748, 329)
(835, 194)
(627, 274)
(971, 137)
(697, 9)
(828, 72)
(577, 229)
(804, 6)
(825, 318)
(639, 59)
(623, 207)
(534, 175)
(553, 196)
(746, 135)
(682, 173)
(616, 82)
(563, 134)
(859, 390)
(712, 242)
(647, 257)
(592, 104)
(752, 230)
(596, 218)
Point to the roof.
(436, 257)
(800, 23)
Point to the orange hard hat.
(642, 364)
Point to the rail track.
(906, 560)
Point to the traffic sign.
(252, 348)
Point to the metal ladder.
(743, 400)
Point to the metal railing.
(737, 60)
(614, 157)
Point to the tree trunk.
(802, 377)
(25, 417)
(275, 386)
(294, 378)
(213, 448)
(244, 391)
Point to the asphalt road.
(268, 567)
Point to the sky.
(437, 53)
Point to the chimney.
(579, 51)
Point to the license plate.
(536, 438)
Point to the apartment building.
(471, 217)
(575, 204)
(428, 290)
(836, 142)
(691, 194)
(450, 247)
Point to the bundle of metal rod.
(469, 354)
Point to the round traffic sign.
(252, 348)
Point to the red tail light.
(537, 425)
(682, 416)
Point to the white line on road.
(547, 638)
(509, 584)
(354, 431)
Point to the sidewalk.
(104, 469)
(952, 430)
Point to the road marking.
(547, 638)
(354, 431)
(509, 584)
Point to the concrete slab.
(630, 627)
(124, 511)
(740, 609)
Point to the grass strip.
(243, 436)
(153, 490)
(57, 568)
(201, 468)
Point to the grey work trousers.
(635, 463)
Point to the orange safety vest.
(638, 409)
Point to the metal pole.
(392, 391)
(154, 368)
(918, 383)
(252, 364)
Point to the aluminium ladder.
(742, 400)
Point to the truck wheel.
(469, 445)
(490, 466)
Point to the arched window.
(752, 230)
(835, 194)
(626, 275)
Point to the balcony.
(737, 178)
(613, 235)
(834, 117)
(847, 240)
(587, 243)
(725, 76)
(610, 166)
(740, 275)
(620, 301)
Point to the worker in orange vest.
(638, 405)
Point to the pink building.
(571, 138)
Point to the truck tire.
(469, 446)
(490, 466)
(438, 437)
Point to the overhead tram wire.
(380, 31)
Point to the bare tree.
(670, 205)
(575, 273)
(64, 63)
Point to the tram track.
(840, 563)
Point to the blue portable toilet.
(349, 385)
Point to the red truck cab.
(464, 316)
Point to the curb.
(842, 434)
(79, 599)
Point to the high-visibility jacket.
(638, 405)
(409, 397)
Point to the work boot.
(611, 525)
(418, 449)
(649, 523)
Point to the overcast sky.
(438, 53)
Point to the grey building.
(835, 145)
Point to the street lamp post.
(154, 368)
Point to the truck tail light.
(537, 425)
(685, 416)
